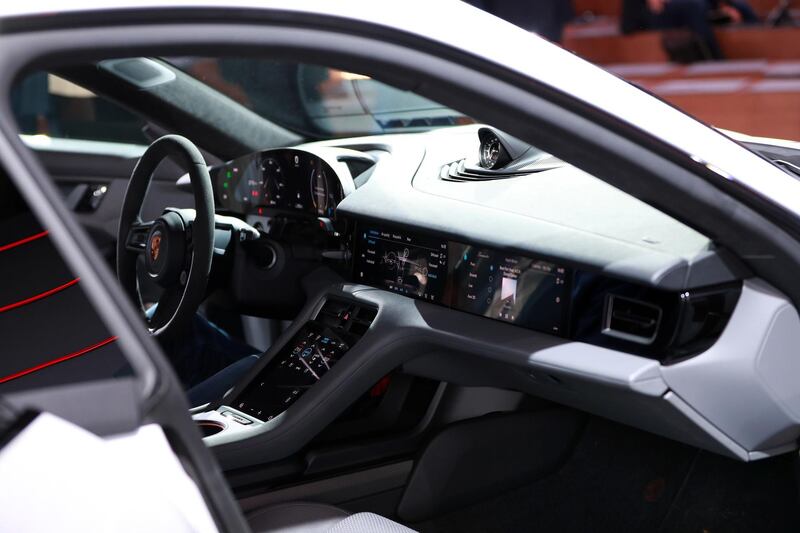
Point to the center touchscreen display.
(409, 264)
(484, 281)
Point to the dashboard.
(552, 293)
(539, 294)
(552, 283)
(544, 293)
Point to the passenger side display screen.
(507, 287)
(484, 281)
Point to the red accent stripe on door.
(39, 296)
(23, 241)
(61, 359)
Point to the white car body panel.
(130, 482)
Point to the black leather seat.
(307, 517)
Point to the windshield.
(317, 101)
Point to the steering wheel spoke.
(137, 236)
(167, 307)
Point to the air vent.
(361, 165)
(357, 165)
(631, 320)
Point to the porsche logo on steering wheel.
(155, 246)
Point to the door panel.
(51, 334)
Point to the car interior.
(385, 311)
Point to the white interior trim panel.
(747, 383)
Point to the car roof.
(456, 24)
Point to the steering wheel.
(178, 246)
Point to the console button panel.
(310, 354)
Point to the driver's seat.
(307, 517)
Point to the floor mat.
(727, 496)
(623, 480)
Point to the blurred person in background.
(696, 16)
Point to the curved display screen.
(409, 264)
(508, 287)
(284, 179)
(484, 281)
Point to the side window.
(45, 104)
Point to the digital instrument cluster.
(496, 284)
(284, 179)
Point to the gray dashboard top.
(561, 214)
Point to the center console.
(310, 354)
(319, 340)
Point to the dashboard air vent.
(631, 320)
